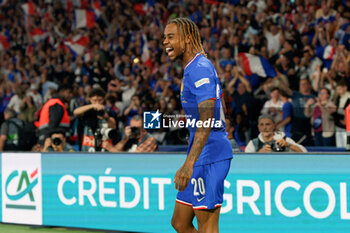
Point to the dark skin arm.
(183, 175)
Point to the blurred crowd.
(306, 41)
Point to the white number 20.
(199, 184)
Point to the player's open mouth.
(170, 51)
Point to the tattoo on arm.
(206, 112)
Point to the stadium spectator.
(57, 142)
(342, 101)
(8, 132)
(133, 109)
(54, 113)
(322, 121)
(136, 139)
(301, 124)
(27, 109)
(285, 125)
(231, 137)
(16, 100)
(269, 140)
(93, 117)
(273, 106)
(36, 96)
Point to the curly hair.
(188, 28)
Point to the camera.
(101, 113)
(57, 141)
(109, 133)
(103, 133)
(135, 131)
(276, 147)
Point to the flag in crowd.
(38, 34)
(144, 8)
(258, 65)
(29, 8)
(77, 44)
(145, 54)
(84, 19)
(329, 52)
(96, 5)
(81, 3)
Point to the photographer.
(136, 139)
(56, 141)
(94, 122)
(271, 141)
(54, 113)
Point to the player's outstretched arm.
(183, 175)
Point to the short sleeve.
(4, 128)
(203, 84)
(287, 110)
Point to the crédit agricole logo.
(19, 186)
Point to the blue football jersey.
(200, 82)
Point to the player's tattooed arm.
(206, 112)
(183, 175)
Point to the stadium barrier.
(135, 192)
(183, 148)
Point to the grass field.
(10, 228)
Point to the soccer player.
(200, 180)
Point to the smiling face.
(174, 45)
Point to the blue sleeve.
(287, 110)
(203, 84)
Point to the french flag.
(83, 4)
(253, 64)
(329, 52)
(145, 54)
(144, 8)
(38, 34)
(84, 19)
(77, 44)
(96, 5)
(4, 43)
(29, 8)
